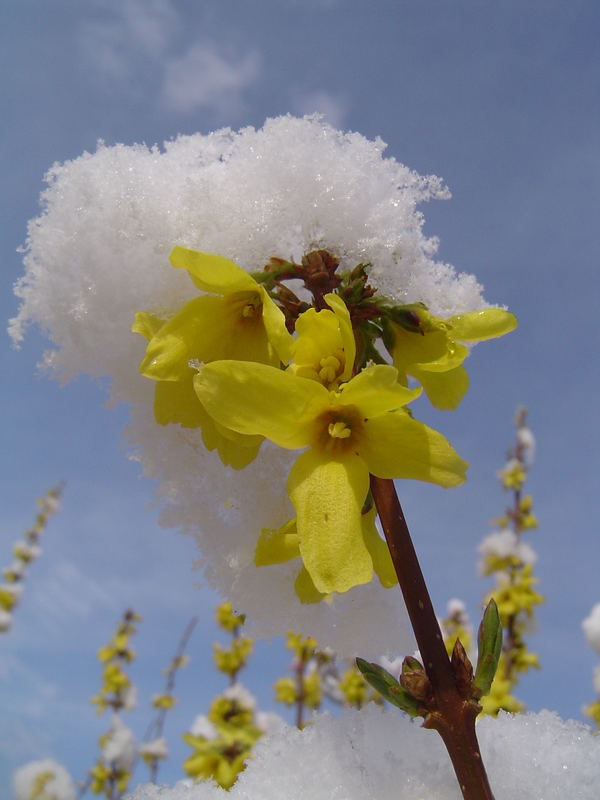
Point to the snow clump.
(43, 780)
(591, 628)
(505, 544)
(99, 252)
(371, 754)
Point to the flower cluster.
(229, 365)
(303, 690)
(223, 740)
(111, 774)
(230, 660)
(319, 674)
(25, 551)
(510, 560)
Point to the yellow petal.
(376, 390)
(318, 337)
(201, 329)
(276, 546)
(396, 446)
(418, 348)
(445, 390)
(146, 324)
(235, 450)
(212, 273)
(306, 589)
(245, 338)
(380, 553)
(328, 496)
(336, 303)
(485, 324)
(177, 402)
(254, 398)
(453, 357)
(209, 329)
(274, 321)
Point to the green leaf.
(388, 687)
(489, 643)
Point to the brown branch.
(299, 670)
(454, 716)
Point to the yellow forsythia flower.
(235, 319)
(362, 428)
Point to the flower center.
(339, 430)
(249, 311)
(247, 308)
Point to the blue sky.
(500, 99)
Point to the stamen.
(330, 369)
(339, 430)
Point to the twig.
(155, 729)
(454, 716)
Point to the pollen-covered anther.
(339, 430)
(249, 311)
(331, 368)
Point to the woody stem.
(454, 716)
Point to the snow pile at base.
(371, 754)
(99, 252)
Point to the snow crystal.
(504, 544)
(526, 441)
(456, 607)
(99, 252)
(591, 628)
(597, 680)
(17, 569)
(157, 748)
(119, 748)
(55, 780)
(270, 723)
(392, 665)
(14, 589)
(369, 753)
(241, 695)
(5, 620)
(202, 726)
(27, 552)
(129, 698)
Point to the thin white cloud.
(151, 24)
(206, 77)
(35, 709)
(136, 32)
(70, 597)
(68, 593)
(141, 37)
(22, 741)
(333, 107)
(39, 690)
